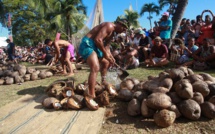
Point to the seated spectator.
(184, 52)
(144, 47)
(158, 55)
(128, 57)
(204, 57)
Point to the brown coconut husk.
(68, 92)
(55, 89)
(90, 103)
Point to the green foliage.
(35, 20)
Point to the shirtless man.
(66, 56)
(94, 48)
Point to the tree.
(178, 15)
(150, 8)
(172, 4)
(67, 16)
(132, 17)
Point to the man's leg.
(67, 59)
(93, 63)
(104, 67)
(62, 61)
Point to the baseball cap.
(165, 14)
(142, 32)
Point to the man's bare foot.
(70, 74)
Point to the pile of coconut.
(173, 93)
(15, 73)
(66, 95)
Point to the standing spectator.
(159, 54)
(165, 27)
(11, 51)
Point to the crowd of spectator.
(193, 46)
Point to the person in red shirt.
(159, 54)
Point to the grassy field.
(127, 124)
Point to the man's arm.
(57, 50)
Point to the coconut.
(184, 89)
(208, 110)
(99, 88)
(34, 76)
(9, 80)
(211, 87)
(37, 72)
(1, 81)
(103, 99)
(190, 71)
(212, 100)
(125, 94)
(15, 73)
(67, 92)
(176, 74)
(42, 75)
(90, 103)
(163, 75)
(207, 77)
(134, 107)
(194, 77)
(49, 74)
(51, 102)
(22, 71)
(184, 69)
(202, 87)
(7, 73)
(164, 118)
(27, 77)
(110, 88)
(145, 110)
(159, 89)
(174, 97)
(30, 70)
(138, 87)
(127, 83)
(64, 103)
(135, 81)
(175, 109)
(18, 79)
(198, 97)
(190, 109)
(140, 95)
(158, 101)
(17, 67)
(167, 83)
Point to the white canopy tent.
(3, 42)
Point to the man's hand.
(109, 57)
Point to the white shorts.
(156, 59)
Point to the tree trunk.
(178, 15)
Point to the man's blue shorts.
(86, 48)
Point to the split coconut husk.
(67, 92)
(51, 102)
(55, 89)
(103, 99)
(90, 103)
(74, 103)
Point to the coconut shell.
(164, 118)
(184, 89)
(167, 83)
(174, 97)
(50, 102)
(67, 92)
(190, 71)
(140, 95)
(90, 103)
(190, 109)
(74, 103)
(49, 74)
(176, 74)
(134, 107)
(145, 110)
(208, 110)
(184, 69)
(111, 89)
(55, 89)
(22, 71)
(80, 88)
(15, 73)
(17, 67)
(194, 77)
(207, 77)
(30, 70)
(103, 99)
(63, 103)
(202, 87)
(211, 87)
(18, 79)
(158, 101)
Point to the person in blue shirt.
(165, 27)
(11, 51)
